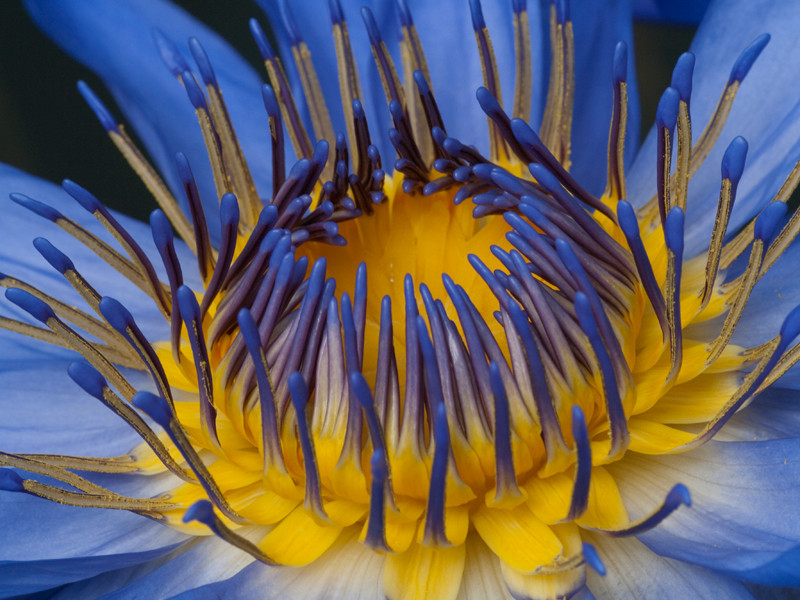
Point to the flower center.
(416, 238)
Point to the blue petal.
(55, 544)
(743, 519)
(633, 572)
(115, 40)
(597, 31)
(684, 12)
(199, 563)
(765, 112)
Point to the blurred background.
(46, 128)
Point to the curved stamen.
(159, 410)
(202, 511)
(93, 384)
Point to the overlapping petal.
(744, 497)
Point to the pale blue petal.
(115, 40)
(765, 112)
(634, 572)
(348, 570)
(742, 521)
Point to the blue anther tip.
(583, 311)
(99, 109)
(452, 146)
(41, 209)
(169, 53)
(488, 102)
(229, 209)
(545, 178)
(667, 111)
(300, 169)
(372, 27)
(422, 83)
(519, 6)
(264, 47)
(768, 220)
(196, 96)
(249, 329)
(337, 16)
(673, 229)
(321, 151)
(483, 171)
(477, 15)
(524, 133)
(184, 169)
(293, 33)
(358, 109)
(360, 387)
(87, 378)
(748, 57)
(38, 309)
(621, 62)
(201, 511)
(682, 75)
(270, 101)
(116, 314)
(162, 232)
(578, 422)
(57, 259)
(83, 196)
(404, 14)
(626, 217)
(734, 159)
(679, 495)
(10, 481)
(187, 303)
(593, 559)
(299, 392)
(438, 135)
(203, 64)
(154, 406)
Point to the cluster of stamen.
(302, 414)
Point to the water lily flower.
(436, 326)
